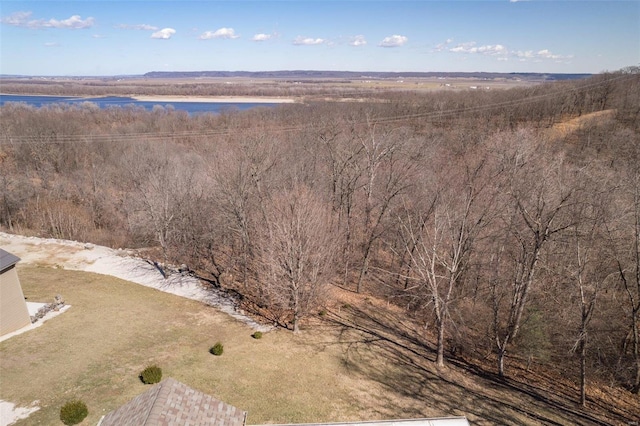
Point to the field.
(298, 89)
(355, 363)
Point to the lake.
(117, 101)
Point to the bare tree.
(160, 183)
(587, 267)
(627, 255)
(387, 167)
(538, 192)
(241, 181)
(344, 158)
(296, 249)
(441, 240)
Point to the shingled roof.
(171, 403)
(7, 260)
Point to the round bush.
(151, 375)
(73, 412)
(257, 335)
(217, 349)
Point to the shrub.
(151, 375)
(217, 349)
(257, 335)
(73, 412)
(323, 313)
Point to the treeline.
(156, 87)
(508, 223)
(345, 75)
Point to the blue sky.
(133, 37)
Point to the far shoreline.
(214, 99)
(173, 98)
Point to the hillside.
(357, 362)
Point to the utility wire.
(156, 136)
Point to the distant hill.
(302, 74)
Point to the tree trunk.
(636, 348)
(583, 373)
(501, 355)
(363, 270)
(440, 347)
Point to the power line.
(156, 136)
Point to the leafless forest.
(506, 222)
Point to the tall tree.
(627, 239)
(296, 249)
(160, 183)
(538, 192)
(388, 164)
(587, 267)
(440, 241)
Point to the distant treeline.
(306, 74)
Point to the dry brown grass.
(115, 328)
(358, 362)
(566, 127)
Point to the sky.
(107, 38)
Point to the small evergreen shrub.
(151, 375)
(257, 335)
(73, 412)
(323, 313)
(217, 349)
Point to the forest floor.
(361, 360)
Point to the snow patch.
(10, 413)
(121, 264)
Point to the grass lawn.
(114, 329)
(354, 365)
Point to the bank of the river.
(190, 104)
(214, 99)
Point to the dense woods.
(506, 222)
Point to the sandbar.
(215, 99)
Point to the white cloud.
(145, 27)
(98, 36)
(443, 46)
(227, 33)
(358, 40)
(501, 52)
(463, 47)
(52, 44)
(22, 19)
(307, 41)
(164, 34)
(528, 54)
(261, 37)
(540, 54)
(488, 49)
(394, 41)
(546, 54)
(17, 19)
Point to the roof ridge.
(154, 407)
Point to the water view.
(126, 102)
